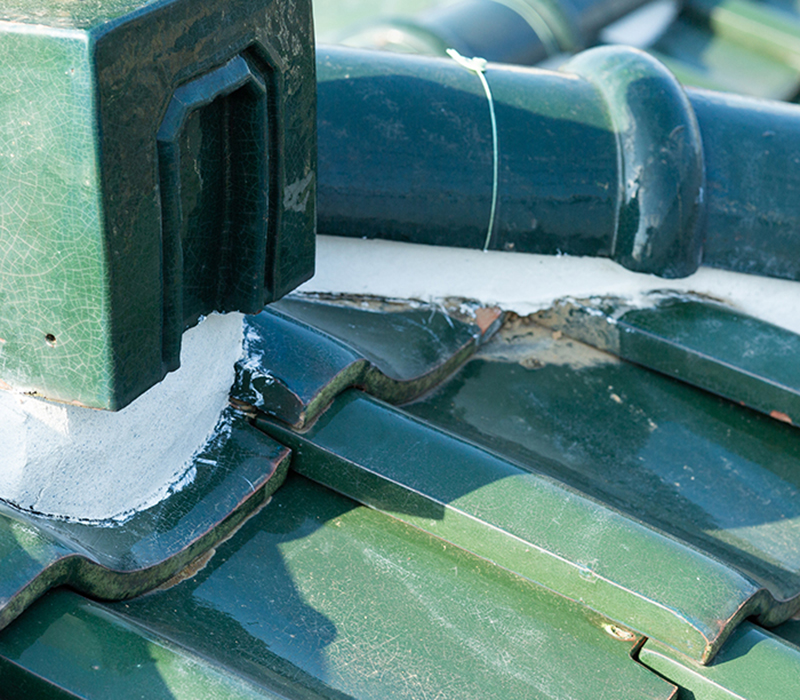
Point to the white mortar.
(526, 283)
(78, 463)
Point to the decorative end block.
(157, 163)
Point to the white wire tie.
(478, 66)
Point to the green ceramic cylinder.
(607, 157)
(522, 32)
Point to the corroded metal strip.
(236, 474)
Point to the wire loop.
(478, 66)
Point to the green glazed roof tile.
(702, 57)
(524, 522)
(639, 446)
(235, 473)
(766, 28)
(317, 597)
(754, 664)
(710, 472)
(706, 344)
(124, 213)
(69, 647)
(293, 369)
(589, 162)
(68, 14)
(402, 339)
(738, 45)
(789, 631)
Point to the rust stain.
(4, 386)
(196, 565)
(777, 415)
(525, 341)
(624, 635)
(246, 408)
(485, 316)
(193, 568)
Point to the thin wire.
(478, 66)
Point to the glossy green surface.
(702, 58)
(522, 32)
(766, 181)
(659, 215)
(767, 29)
(214, 169)
(740, 46)
(293, 369)
(235, 474)
(429, 119)
(623, 163)
(522, 521)
(317, 597)
(754, 664)
(70, 647)
(789, 631)
(712, 473)
(71, 14)
(501, 32)
(98, 276)
(333, 18)
(705, 344)
(53, 287)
